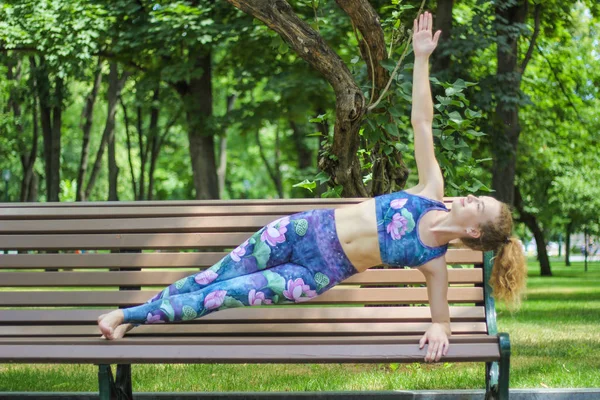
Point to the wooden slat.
(132, 340)
(184, 203)
(165, 278)
(159, 260)
(122, 241)
(112, 260)
(236, 223)
(333, 296)
(105, 353)
(160, 241)
(44, 213)
(254, 329)
(252, 314)
(172, 208)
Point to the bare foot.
(110, 325)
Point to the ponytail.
(509, 274)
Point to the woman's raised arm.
(431, 181)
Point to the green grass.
(555, 341)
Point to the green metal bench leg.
(491, 380)
(124, 387)
(106, 383)
(497, 374)
(121, 389)
(504, 378)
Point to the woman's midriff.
(356, 228)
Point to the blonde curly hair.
(509, 274)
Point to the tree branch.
(272, 171)
(350, 102)
(560, 84)
(395, 71)
(532, 44)
(372, 47)
(280, 17)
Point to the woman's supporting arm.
(436, 276)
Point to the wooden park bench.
(120, 254)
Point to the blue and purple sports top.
(398, 216)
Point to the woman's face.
(476, 211)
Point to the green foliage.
(559, 152)
(158, 44)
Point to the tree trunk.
(197, 100)
(115, 85)
(143, 153)
(34, 185)
(30, 180)
(568, 244)
(113, 170)
(56, 138)
(14, 103)
(128, 140)
(585, 249)
(222, 169)
(443, 20)
(505, 135)
(303, 153)
(87, 116)
(531, 222)
(154, 144)
(51, 118)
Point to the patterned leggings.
(291, 260)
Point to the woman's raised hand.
(423, 42)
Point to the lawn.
(555, 340)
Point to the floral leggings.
(291, 260)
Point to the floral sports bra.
(398, 216)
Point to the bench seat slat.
(253, 329)
(243, 353)
(334, 296)
(236, 340)
(237, 315)
(160, 259)
(165, 278)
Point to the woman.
(299, 257)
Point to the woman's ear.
(473, 232)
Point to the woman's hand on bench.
(437, 337)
